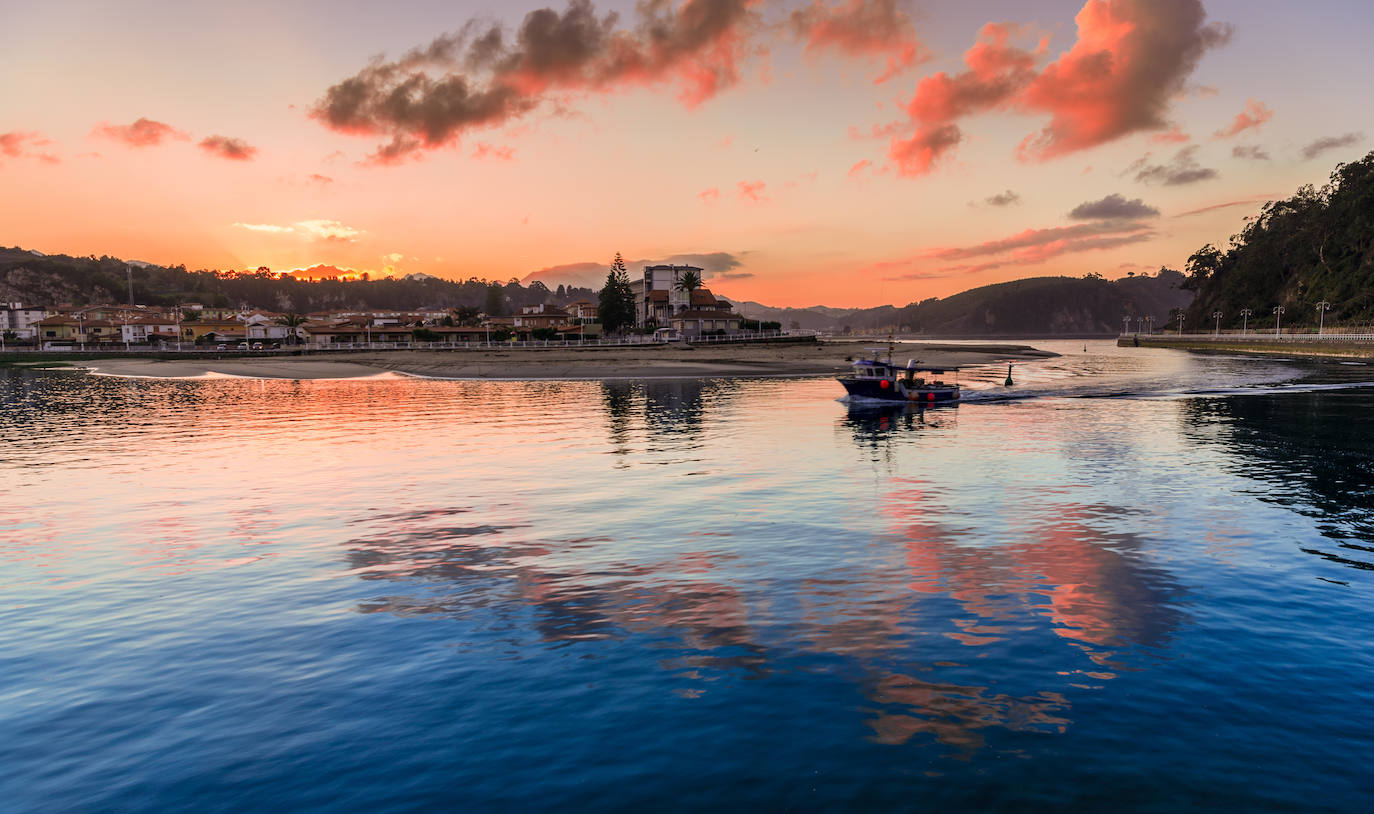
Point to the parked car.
(221, 346)
(243, 346)
(257, 346)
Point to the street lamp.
(1139, 324)
(1217, 330)
(1278, 317)
(1245, 314)
(1180, 322)
(1125, 325)
(1322, 308)
(1149, 323)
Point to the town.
(669, 303)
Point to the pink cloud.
(1174, 135)
(1254, 116)
(481, 77)
(1130, 60)
(752, 191)
(485, 150)
(26, 144)
(859, 167)
(142, 133)
(918, 154)
(861, 28)
(230, 148)
(709, 196)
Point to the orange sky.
(839, 152)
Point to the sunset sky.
(837, 152)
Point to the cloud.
(1050, 242)
(859, 167)
(1113, 207)
(329, 230)
(322, 180)
(142, 133)
(1227, 205)
(1182, 169)
(480, 77)
(919, 154)
(734, 275)
(709, 196)
(1007, 198)
(230, 148)
(1252, 117)
(1250, 152)
(1131, 59)
(1174, 135)
(752, 191)
(593, 274)
(485, 150)
(26, 144)
(1326, 143)
(860, 28)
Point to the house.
(658, 295)
(20, 320)
(705, 313)
(585, 310)
(536, 317)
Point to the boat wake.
(995, 396)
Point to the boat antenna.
(889, 348)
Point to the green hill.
(1315, 246)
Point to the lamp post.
(124, 315)
(1216, 331)
(81, 328)
(1245, 314)
(1180, 322)
(1322, 308)
(1125, 325)
(1278, 318)
(1149, 323)
(1139, 324)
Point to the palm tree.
(689, 281)
(292, 321)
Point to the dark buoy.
(1008, 382)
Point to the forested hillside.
(1317, 246)
(55, 279)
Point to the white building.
(21, 320)
(657, 296)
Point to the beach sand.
(802, 359)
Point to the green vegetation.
(1317, 246)
(55, 279)
(616, 303)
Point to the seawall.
(1288, 345)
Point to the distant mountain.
(1030, 307)
(1315, 247)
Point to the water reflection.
(1304, 450)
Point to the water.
(1106, 590)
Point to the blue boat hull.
(875, 389)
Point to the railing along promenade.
(309, 348)
(1253, 336)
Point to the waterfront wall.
(1336, 346)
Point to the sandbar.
(655, 361)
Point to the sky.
(848, 153)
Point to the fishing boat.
(875, 379)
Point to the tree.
(689, 281)
(616, 301)
(1202, 264)
(495, 303)
(292, 321)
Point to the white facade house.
(21, 320)
(657, 296)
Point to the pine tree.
(616, 301)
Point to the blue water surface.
(1138, 580)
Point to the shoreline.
(1327, 349)
(655, 362)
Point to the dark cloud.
(1326, 143)
(1182, 169)
(860, 28)
(1113, 207)
(231, 148)
(1250, 152)
(141, 133)
(1007, 198)
(478, 77)
(721, 265)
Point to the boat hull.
(888, 390)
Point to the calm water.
(1141, 580)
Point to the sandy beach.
(822, 358)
